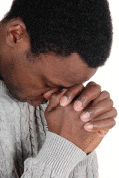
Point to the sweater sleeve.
(57, 158)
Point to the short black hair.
(64, 27)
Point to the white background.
(107, 77)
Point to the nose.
(48, 94)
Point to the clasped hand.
(82, 115)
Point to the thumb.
(47, 95)
(54, 100)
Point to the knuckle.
(113, 123)
(92, 83)
(108, 103)
(97, 86)
(106, 94)
(115, 112)
(111, 102)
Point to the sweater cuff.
(61, 154)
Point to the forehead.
(66, 71)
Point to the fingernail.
(85, 117)
(78, 106)
(64, 101)
(88, 127)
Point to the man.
(48, 49)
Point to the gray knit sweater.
(29, 150)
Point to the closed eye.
(52, 85)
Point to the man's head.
(53, 38)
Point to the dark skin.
(32, 79)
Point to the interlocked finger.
(94, 111)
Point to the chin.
(37, 103)
(34, 104)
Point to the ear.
(15, 32)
